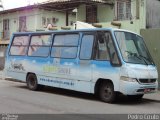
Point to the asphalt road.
(17, 99)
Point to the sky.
(9, 4)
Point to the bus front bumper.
(135, 88)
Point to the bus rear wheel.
(106, 92)
(32, 83)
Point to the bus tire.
(106, 92)
(32, 82)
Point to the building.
(29, 18)
(133, 15)
(125, 14)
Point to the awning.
(67, 5)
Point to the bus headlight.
(128, 79)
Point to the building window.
(49, 21)
(91, 14)
(22, 24)
(44, 21)
(6, 29)
(123, 9)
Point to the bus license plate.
(147, 90)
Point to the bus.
(103, 61)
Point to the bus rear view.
(104, 62)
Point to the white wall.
(33, 19)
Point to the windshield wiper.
(146, 59)
(137, 56)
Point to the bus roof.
(78, 30)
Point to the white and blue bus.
(104, 62)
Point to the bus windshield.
(133, 48)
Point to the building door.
(91, 14)
(22, 24)
(6, 32)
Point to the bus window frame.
(94, 56)
(83, 34)
(143, 42)
(64, 33)
(41, 34)
(19, 35)
(115, 48)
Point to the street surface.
(17, 99)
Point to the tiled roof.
(18, 9)
(57, 4)
(62, 1)
(63, 5)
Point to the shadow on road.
(151, 100)
(121, 99)
(64, 92)
(69, 93)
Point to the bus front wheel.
(106, 92)
(32, 83)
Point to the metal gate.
(152, 39)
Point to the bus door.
(105, 57)
(64, 59)
(84, 74)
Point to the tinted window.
(19, 45)
(133, 48)
(64, 52)
(65, 46)
(86, 47)
(111, 49)
(44, 40)
(66, 40)
(40, 45)
(101, 50)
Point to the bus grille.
(147, 80)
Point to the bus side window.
(112, 50)
(86, 47)
(101, 51)
(65, 46)
(40, 46)
(19, 45)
